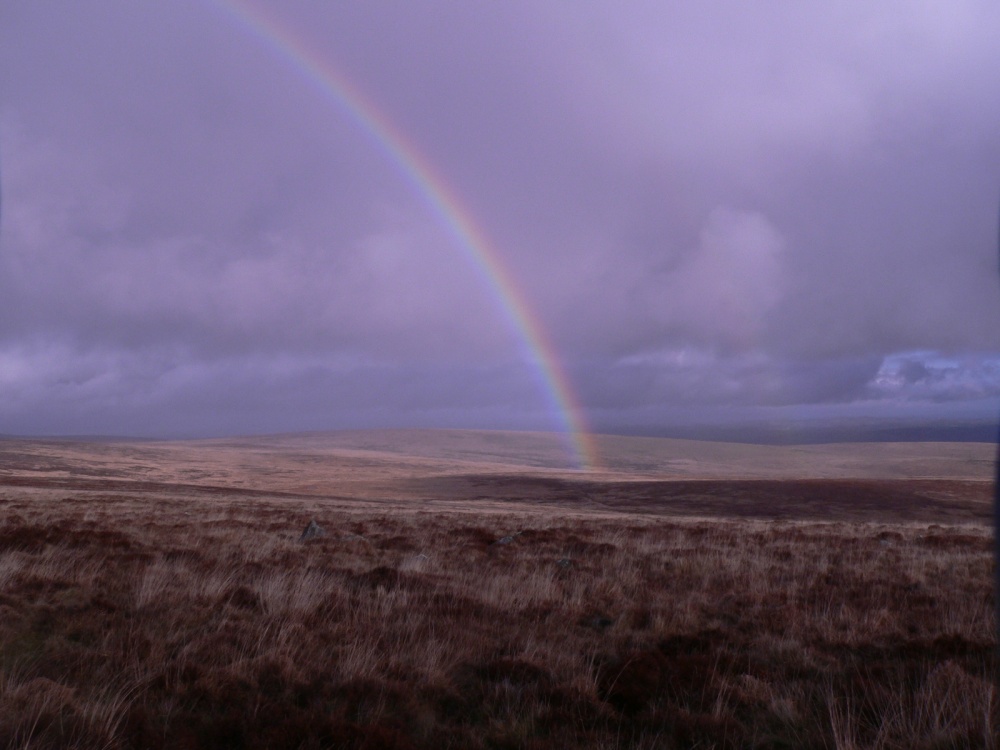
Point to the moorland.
(470, 591)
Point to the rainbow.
(443, 203)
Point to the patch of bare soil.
(928, 500)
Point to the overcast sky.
(714, 210)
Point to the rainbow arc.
(443, 203)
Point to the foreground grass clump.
(132, 622)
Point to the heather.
(196, 619)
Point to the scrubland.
(192, 619)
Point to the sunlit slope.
(468, 450)
(696, 459)
(304, 462)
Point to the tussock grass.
(130, 622)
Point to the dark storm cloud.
(707, 205)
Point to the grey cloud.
(710, 378)
(725, 287)
(59, 390)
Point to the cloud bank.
(710, 208)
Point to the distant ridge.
(761, 432)
(806, 433)
(86, 438)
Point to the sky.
(712, 212)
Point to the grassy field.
(470, 593)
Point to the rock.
(507, 539)
(312, 531)
(414, 563)
(565, 563)
(598, 622)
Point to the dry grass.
(130, 621)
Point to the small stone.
(351, 537)
(565, 563)
(312, 531)
(507, 539)
(597, 622)
(414, 563)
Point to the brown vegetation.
(188, 618)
